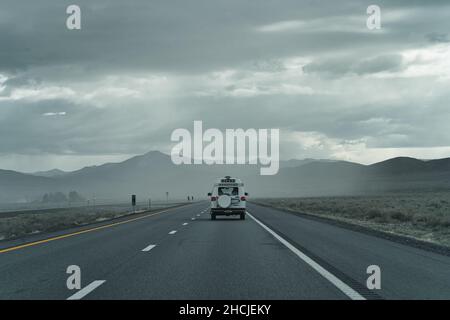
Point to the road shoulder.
(405, 240)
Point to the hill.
(153, 173)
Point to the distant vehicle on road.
(228, 197)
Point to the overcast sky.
(137, 70)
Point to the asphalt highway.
(180, 253)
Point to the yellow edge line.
(80, 232)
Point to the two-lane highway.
(181, 254)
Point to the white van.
(228, 198)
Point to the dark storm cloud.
(171, 35)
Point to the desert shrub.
(445, 222)
(373, 214)
(382, 217)
(434, 205)
(433, 221)
(429, 220)
(400, 216)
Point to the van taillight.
(213, 198)
(243, 198)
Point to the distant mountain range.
(50, 173)
(152, 174)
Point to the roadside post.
(133, 202)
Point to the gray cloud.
(391, 62)
(137, 70)
(437, 37)
(174, 36)
(351, 64)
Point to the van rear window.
(229, 191)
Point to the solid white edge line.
(150, 247)
(352, 294)
(86, 290)
(173, 232)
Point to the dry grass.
(425, 216)
(19, 225)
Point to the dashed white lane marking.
(173, 232)
(86, 290)
(352, 294)
(150, 247)
(192, 219)
(185, 224)
(198, 215)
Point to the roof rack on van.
(227, 181)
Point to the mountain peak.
(398, 165)
(155, 153)
(49, 173)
